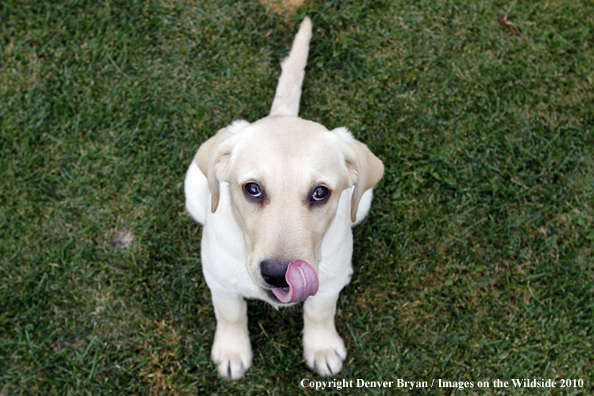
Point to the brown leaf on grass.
(123, 239)
(507, 26)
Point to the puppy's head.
(286, 177)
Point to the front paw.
(233, 355)
(324, 353)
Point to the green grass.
(475, 263)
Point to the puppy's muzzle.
(291, 282)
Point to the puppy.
(277, 199)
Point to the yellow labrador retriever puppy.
(277, 199)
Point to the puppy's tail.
(288, 91)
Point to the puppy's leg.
(197, 193)
(231, 349)
(323, 349)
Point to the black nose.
(273, 271)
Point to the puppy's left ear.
(364, 168)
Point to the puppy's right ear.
(212, 159)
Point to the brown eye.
(320, 194)
(253, 190)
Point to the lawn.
(475, 264)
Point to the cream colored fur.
(288, 158)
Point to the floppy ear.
(364, 168)
(212, 159)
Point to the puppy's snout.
(273, 272)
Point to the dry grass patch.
(287, 7)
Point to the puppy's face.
(286, 176)
(285, 187)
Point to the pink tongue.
(302, 280)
